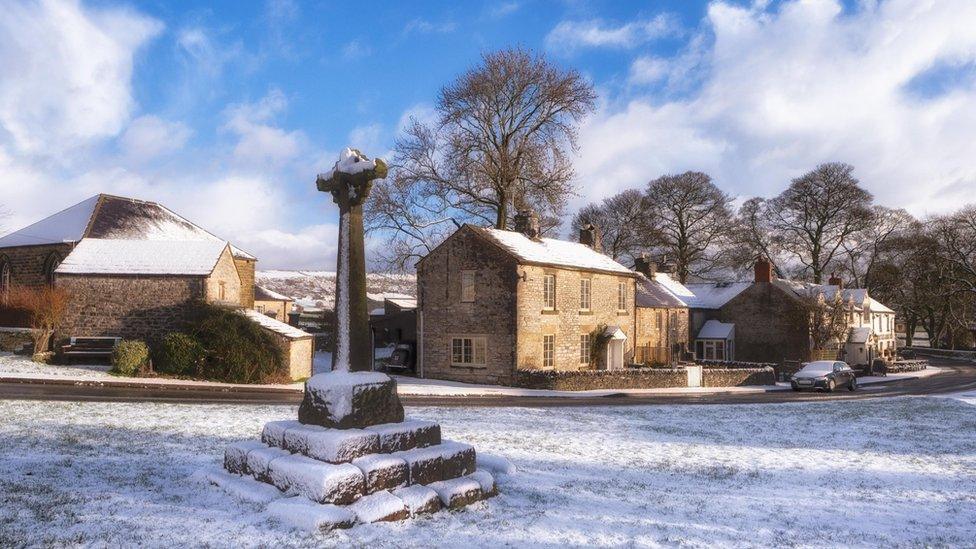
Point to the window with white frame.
(549, 292)
(621, 296)
(586, 343)
(548, 351)
(585, 294)
(467, 286)
(468, 351)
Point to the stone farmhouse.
(764, 320)
(132, 269)
(493, 302)
(271, 303)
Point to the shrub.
(236, 350)
(178, 354)
(129, 358)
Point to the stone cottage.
(132, 268)
(493, 301)
(765, 320)
(271, 303)
(661, 319)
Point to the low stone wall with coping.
(737, 377)
(584, 380)
(14, 339)
(901, 366)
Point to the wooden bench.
(98, 347)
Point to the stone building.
(494, 301)
(271, 303)
(661, 319)
(766, 320)
(132, 268)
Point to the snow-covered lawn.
(862, 473)
(17, 365)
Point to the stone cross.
(349, 182)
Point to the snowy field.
(899, 472)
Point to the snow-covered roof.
(653, 294)
(263, 294)
(857, 297)
(549, 251)
(379, 311)
(275, 326)
(68, 225)
(714, 329)
(110, 217)
(403, 302)
(145, 257)
(877, 307)
(714, 295)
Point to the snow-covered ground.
(860, 473)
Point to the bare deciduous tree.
(752, 237)
(818, 214)
(623, 220)
(867, 247)
(502, 141)
(825, 318)
(693, 219)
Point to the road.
(955, 377)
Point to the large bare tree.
(624, 222)
(752, 237)
(818, 214)
(693, 220)
(868, 247)
(502, 140)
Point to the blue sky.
(225, 111)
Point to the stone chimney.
(589, 235)
(835, 280)
(527, 223)
(645, 266)
(668, 267)
(764, 270)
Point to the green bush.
(178, 354)
(236, 350)
(130, 358)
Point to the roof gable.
(68, 225)
(653, 294)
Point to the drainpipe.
(419, 359)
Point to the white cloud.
(569, 36)
(803, 83)
(259, 142)
(420, 25)
(503, 9)
(66, 72)
(355, 50)
(648, 70)
(150, 136)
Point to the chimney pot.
(645, 266)
(589, 235)
(527, 223)
(764, 270)
(835, 280)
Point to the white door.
(616, 354)
(694, 376)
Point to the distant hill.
(317, 288)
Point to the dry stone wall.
(637, 378)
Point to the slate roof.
(276, 326)
(263, 294)
(713, 329)
(142, 257)
(111, 217)
(653, 294)
(549, 251)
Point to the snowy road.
(868, 473)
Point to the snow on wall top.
(713, 329)
(263, 294)
(550, 251)
(275, 326)
(142, 257)
(68, 225)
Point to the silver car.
(825, 375)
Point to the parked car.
(826, 375)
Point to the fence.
(651, 355)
